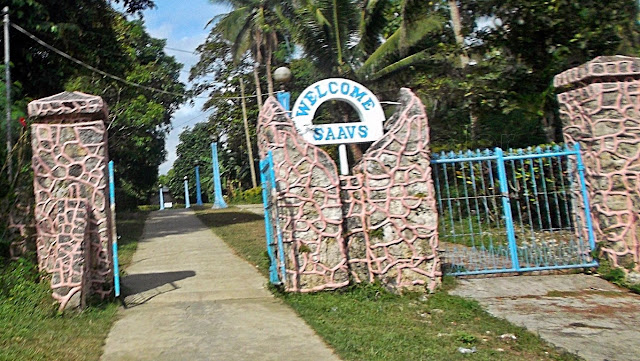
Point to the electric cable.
(114, 77)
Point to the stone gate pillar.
(73, 223)
(600, 109)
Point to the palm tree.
(252, 26)
(343, 38)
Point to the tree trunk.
(464, 58)
(256, 78)
(457, 31)
(268, 69)
(247, 137)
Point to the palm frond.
(398, 44)
(416, 58)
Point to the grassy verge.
(366, 322)
(130, 228)
(30, 326)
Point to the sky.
(182, 23)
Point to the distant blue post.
(217, 187)
(114, 234)
(284, 98)
(198, 192)
(161, 199)
(187, 204)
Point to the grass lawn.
(366, 322)
(31, 328)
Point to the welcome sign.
(368, 107)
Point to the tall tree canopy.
(96, 34)
(483, 68)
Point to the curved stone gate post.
(379, 224)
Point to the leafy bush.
(250, 196)
(21, 286)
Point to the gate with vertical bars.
(514, 211)
(275, 247)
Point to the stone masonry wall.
(308, 203)
(377, 224)
(401, 220)
(600, 109)
(70, 186)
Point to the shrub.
(250, 196)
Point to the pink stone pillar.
(73, 224)
(600, 109)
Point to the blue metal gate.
(275, 247)
(515, 211)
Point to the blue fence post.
(272, 176)
(161, 198)
(198, 191)
(264, 179)
(585, 198)
(284, 98)
(217, 187)
(506, 205)
(187, 204)
(114, 233)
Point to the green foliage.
(615, 275)
(194, 149)
(250, 196)
(21, 285)
(466, 338)
(32, 329)
(139, 119)
(98, 35)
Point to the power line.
(104, 73)
(190, 120)
(94, 69)
(180, 50)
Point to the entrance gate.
(275, 247)
(523, 210)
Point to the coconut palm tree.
(344, 38)
(251, 25)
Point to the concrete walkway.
(190, 298)
(582, 314)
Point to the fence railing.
(275, 247)
(519, 210)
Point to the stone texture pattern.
(308, 202)
(400, 212)
(21, 225)
(602, 113)
(71, 204)
(67, 103)
(378, 224)
(66, 248)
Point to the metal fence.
(515, 211)
(275, 247)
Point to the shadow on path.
(227, 218)
(140, 288)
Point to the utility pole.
(246, 134)
(7, 73)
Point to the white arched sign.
(369, 110)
